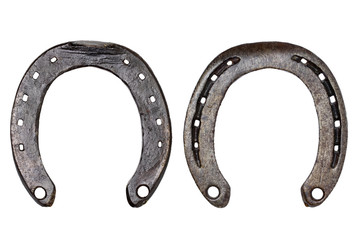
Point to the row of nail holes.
(332, 99)
(213, 78)
(53, 60)
(151, 98)
(25, 98)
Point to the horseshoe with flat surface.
(137, 76)
(210, 91)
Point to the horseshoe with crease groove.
(137, 76)
(228, 67)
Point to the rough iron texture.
(211, 89)
(137, 76)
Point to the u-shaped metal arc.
(137, 76)
(211, 89)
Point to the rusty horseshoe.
(137, 76)
(210, 91)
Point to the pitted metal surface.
(137, 76)
(211, 89)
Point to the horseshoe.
(210, 91)
(137, 76)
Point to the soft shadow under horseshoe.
(210, 91)
(137, 76)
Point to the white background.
(266, 134)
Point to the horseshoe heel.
(137, 76)
(210, 91)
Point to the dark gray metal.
(137, 76)
(238, 61)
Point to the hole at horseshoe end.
(89, 124)
(266, 131)
(317, 194)
(142, 191)
(213, 192)
(40, 193)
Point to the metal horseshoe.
(137, 76)
(210, 91)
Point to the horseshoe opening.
(266, 129)
(137, 76)
(89, 125)
(201, 115)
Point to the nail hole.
(197, 123)
(40, 193)
(21, 147)
(160, 144)
(25, 98)
(332, 99)
(141, 76)
(213, 192)
(54, 59)
(337, 123)
(158, 121)
(36, 75)
(336, 148)
(322, 76)
(203, 100)
(152, 99)
(143, 191)
(126, 62)
(20, 122)
(196, 145)
(213, 77)
(229, 63)
(303, 60)
(317, 193)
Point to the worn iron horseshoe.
(210, 91)
(137, 76)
